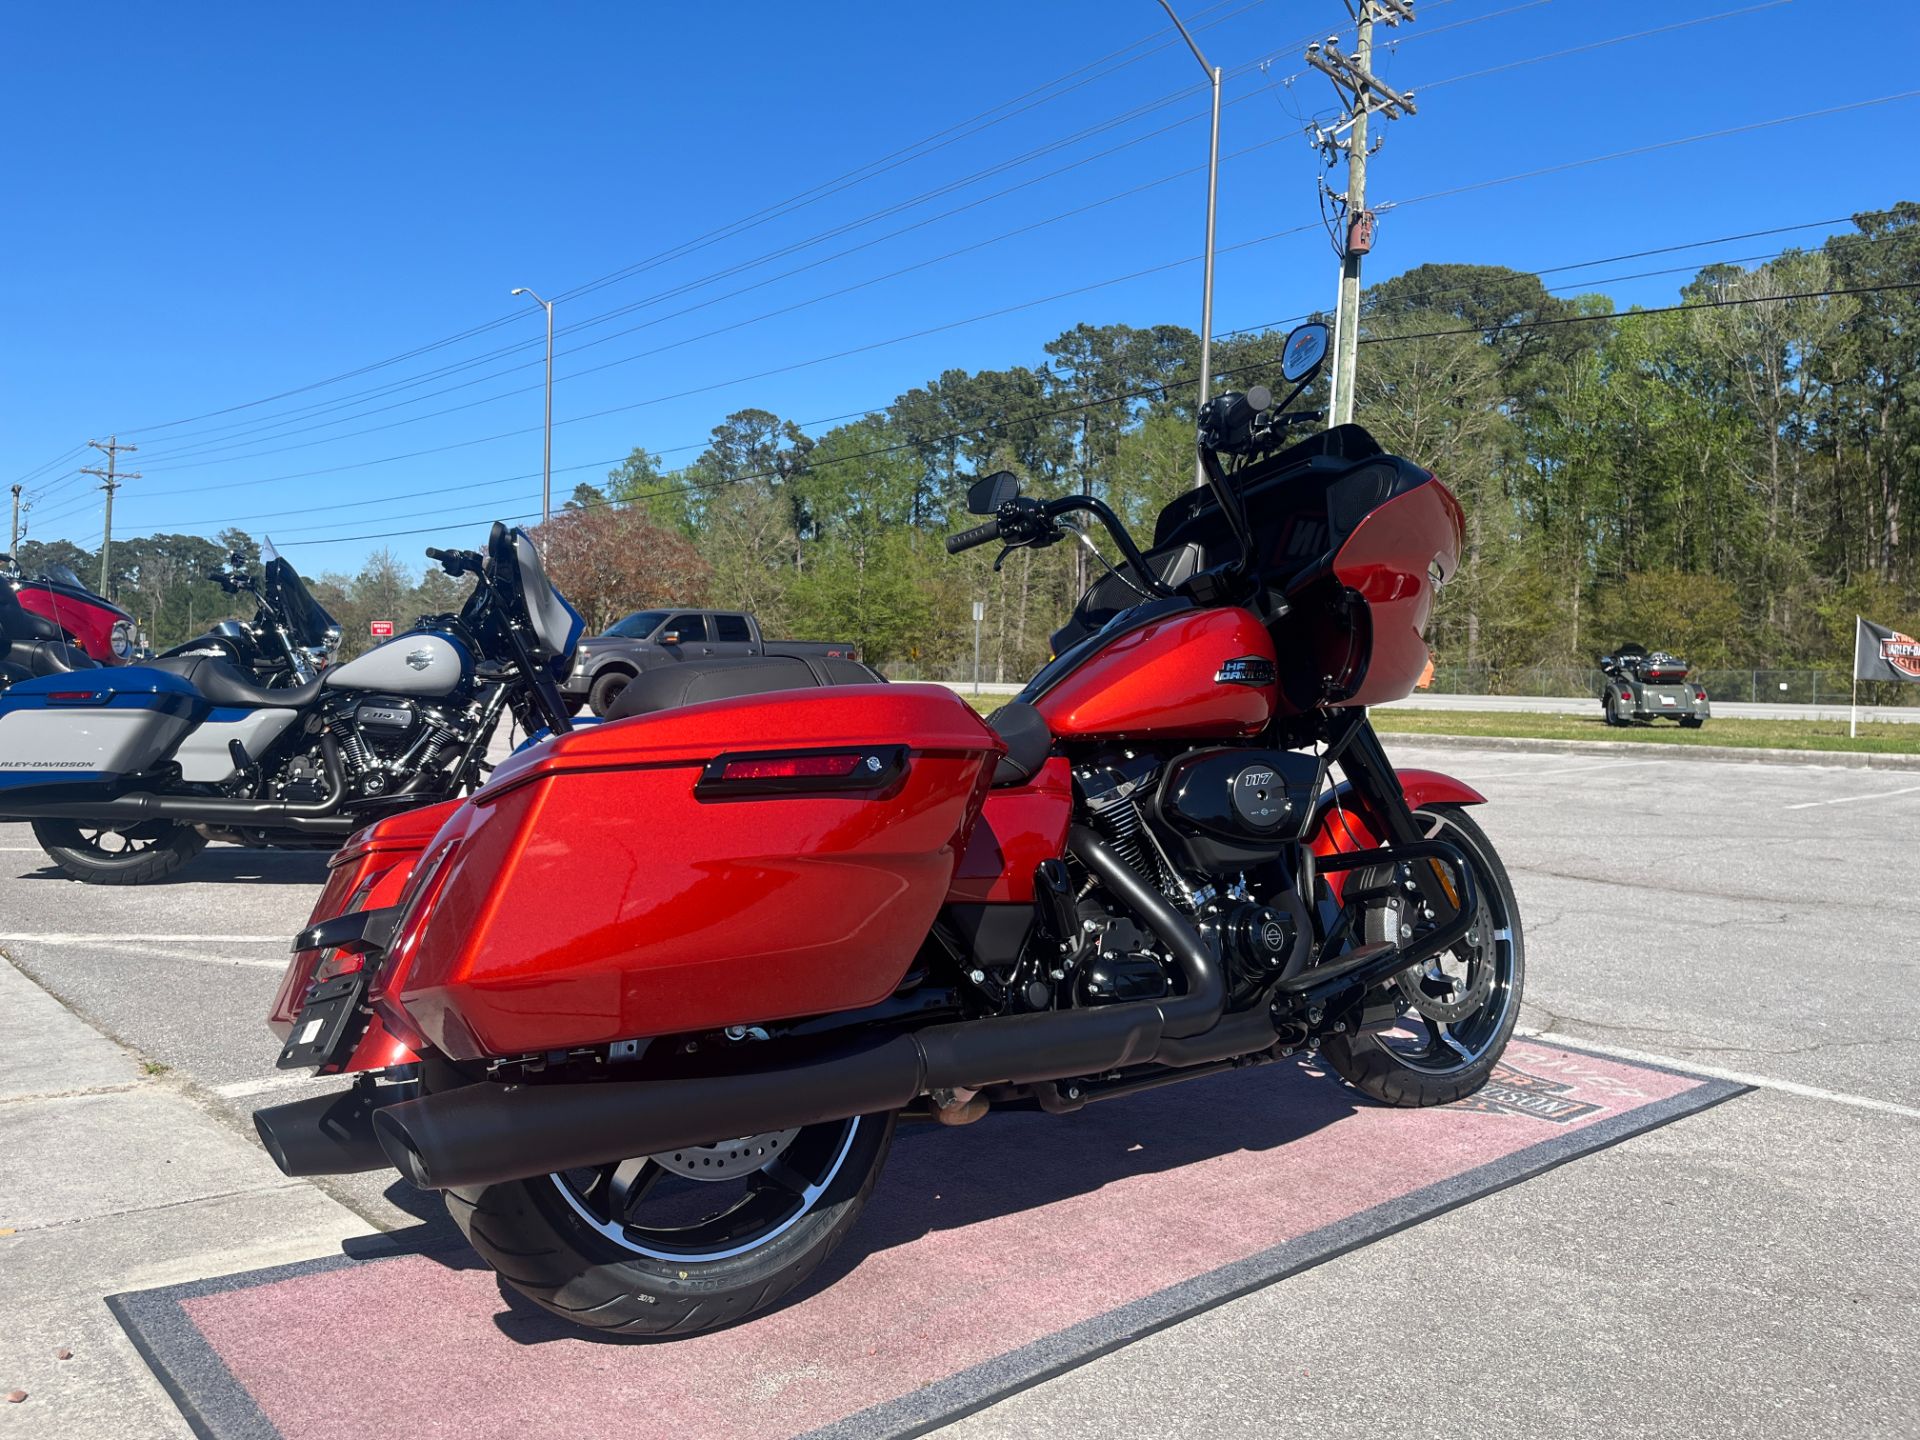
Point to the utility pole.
(1361, 93)
(110, 481)
(13, 545)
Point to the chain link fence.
(1777, 687)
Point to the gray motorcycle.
(127, 773)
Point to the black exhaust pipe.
(329, 1134)
(315, 817)
(484, 1133)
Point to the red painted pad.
(989, 1256)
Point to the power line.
(1158, 389)
(904, 155)
(234, 442)
(685, 287)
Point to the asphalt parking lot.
(1755, 1265)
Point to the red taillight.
(801, 772)
(73, 697)
(1699, 694)
(791, 767)
(1627, 695)
(339, 962)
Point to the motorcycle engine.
(1216, 831)
(387, 740)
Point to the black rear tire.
(136, 855)
(1692, 722)
(606, 689)
(1372, 1064)
(537, 1236)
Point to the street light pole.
(546, 463)
(1213, 188)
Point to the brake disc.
(1446, 995)
(726, 1159)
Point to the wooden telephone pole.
(1361, 93)
(109, 482)
(13, 545)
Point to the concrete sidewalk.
(116, 1179)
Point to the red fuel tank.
(1202, 673)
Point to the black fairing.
(1302, 505)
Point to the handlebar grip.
(978, 535)
(433, 554)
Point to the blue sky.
(210, 206)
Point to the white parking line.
(1849, 799)
(1738, 1077)
(64, 938)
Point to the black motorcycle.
(126, 774)
(291, 637)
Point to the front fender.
(1340, 826)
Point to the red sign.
(380, 629)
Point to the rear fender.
(368, 873)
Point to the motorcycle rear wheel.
(577, 1245)
(133, 855)
(1426, 1062)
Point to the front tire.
(580, 1246)
(134, 855)
(605, 690)
(1423, 1061)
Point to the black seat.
(224, 683)
(688, 682)
(1028, 742)
(47, 657)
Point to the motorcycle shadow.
(1013, 1162)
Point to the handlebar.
(978, 535)
(456, 562)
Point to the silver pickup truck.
(604, 664)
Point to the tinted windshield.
(638, 627)
(61, 575)
(307, 620)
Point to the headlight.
(122, 638)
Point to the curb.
(1654, 749)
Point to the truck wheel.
(137, 855)
(1692, 722)
(606, 690)
(683, 1242)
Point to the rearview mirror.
(987, 494)
(672, 637)
(1306, 347)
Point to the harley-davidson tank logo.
(420, 659)
(1245, 670)
(1514, 1092)
(1902, 652)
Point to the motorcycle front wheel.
(1456, 1011)
(685, 1241)
(132, 855)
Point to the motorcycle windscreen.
(306, 616)
(728, 863)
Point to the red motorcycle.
(649, 1004)
(51, 624)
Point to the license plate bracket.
(327, 1024)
